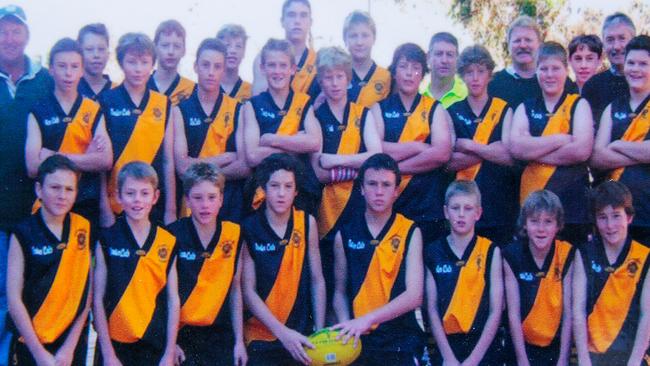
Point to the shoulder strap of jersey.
(417, 128)
(304, 77)
(292, 119)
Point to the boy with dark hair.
(234, 37)
(585, 57)
(611, 286)
(378, 272)
(283, 283)
(136, 305)
(70, 124)
(49, 266)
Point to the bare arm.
(398, 151)
(637, 151)
(523, 146)
(582, 142)
(106, 215)
(169, 176)
(408, 300)
(237, 168)
(603, 156)
(290, 339)
(340, 298)
(99, 155)
(354, 161)
(580, 333)
(173, 316)
(494, 317)
(254, 152)
(642, 338)
(514, 315)
(305, 142)
(462, 160)
(439, 152)
(99, 312)
(436, 321)
(565, 331)
(16, 307)
(317, 279)
(33, 145)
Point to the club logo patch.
(226, 248)
(81, 238)
(296, 238)
(162, 254)
(632, 268)
(394, 243)
(157, 113)
(86, 118)
(379, 87)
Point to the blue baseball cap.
(14, 11)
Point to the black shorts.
(271, 357)
(23, 357)
(386, 358)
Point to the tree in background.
(487, 20)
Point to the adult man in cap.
(21, 82)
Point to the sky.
(412, 21)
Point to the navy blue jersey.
(267, 252)
(423, 197)
(402, 333)
(55, 124)
(497, 183)
(124, 257)
(569, 182)
(84, 88)
(192, 257)
(197, 125)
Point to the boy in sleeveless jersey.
(611, 286)
(136, 304)
(209, 274)
(49, 272)
(538, 270)
(378, 273)
(464, 284)
(282, 282)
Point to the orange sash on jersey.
(245, 92)
(282, 296)
(336, 195)
(182, 91)
(537, 175)
(78, 133)
(466, 300)
(611, 309)
(132, 315)
(288, 127)
(213, 282)
(636, 132)
(145, 141)
(416, 128)
(543, 320)
(64, 299)
(217, 137)
(482, 135)
(384, 267)
(305, 76)
(376, 89)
